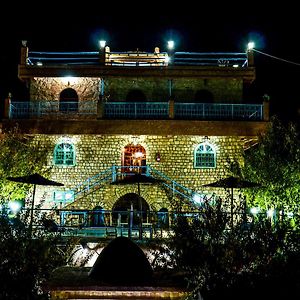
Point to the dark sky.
(47, 26)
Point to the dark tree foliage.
(19, 155)
(26, 259)
(253, 260)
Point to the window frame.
(211, 151)
(64, 153)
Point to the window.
(63, 197)
(64, 154)
(205, 156)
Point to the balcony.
(135, 110)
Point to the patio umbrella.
(137, 178)
(232, 182)
(35, 179)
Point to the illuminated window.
(205, 156)
(64, 154)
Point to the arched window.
(204, 96)
(135, 95)
(68, 100)
(205, 156)
(64, 154)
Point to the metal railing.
(43, 108)
(216, 59)
(139, 58)
(107, 223)
(136, 110)
(220, 111)
(115, 173)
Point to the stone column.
(250, 58)
(100, 108)
(7, 102)
(171, 109)
(24, 55)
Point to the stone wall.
(49, 88)
(228, 90)
(97, 153)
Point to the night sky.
(47, 26)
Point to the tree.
(250, 261)
(27, 260)
(275, 163)
(20, 155)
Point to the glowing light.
(69, 80)
(39, 63)
(254, 210)
(15, 206)
(250, 45)
(270, 213)
(102, 43)
(138, 154)
(235, 66)
(197, 198)
(171, 45)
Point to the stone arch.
(127, 204)
(68, 100)
(136, 95)
(204, 96)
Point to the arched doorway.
(135, 95)
(163, 218)
(130, 208)
(134, 159)
(98, 217)
(68, 100)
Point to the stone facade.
(154, 89)
(49, 88)
(97, 153)
(99, 140)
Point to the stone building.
(177, 117)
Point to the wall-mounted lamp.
(157, 157)
(102, 43)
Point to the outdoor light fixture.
(15, 206)
(250, 46)
(157, 157)
(197, 198)
(102, 43)
(171, 45)
(69, 80)
(270, 213)
(254, 210)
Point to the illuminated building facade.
(175, 117)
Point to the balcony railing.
(202, 111)
(138, 58)
(135, 110)
(40, 109)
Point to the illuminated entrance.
(134, 159)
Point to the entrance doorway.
(134, 159)
(130, 208)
